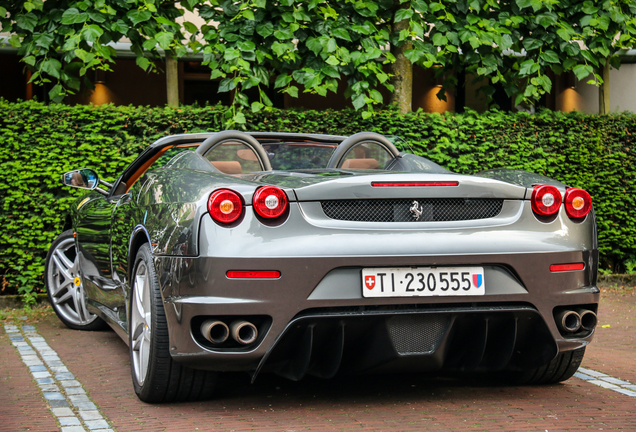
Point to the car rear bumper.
(316, 306)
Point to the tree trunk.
(604, 90)
(402, 71)
(172, 79)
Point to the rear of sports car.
(384, 272)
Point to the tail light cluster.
(546, 201)
(226, 206)
(578, 203)
(269, 202)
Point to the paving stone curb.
(67, 400)
(603, 380)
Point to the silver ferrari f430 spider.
(318, 254)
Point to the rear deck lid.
(379, 186)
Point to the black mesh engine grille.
(412, 210)
(417, 334)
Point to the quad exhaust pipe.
(244, 332)
(588, 319)
(571, 321)
(215, 331)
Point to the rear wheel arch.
(138, 238)
(156, 376)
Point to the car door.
(92, 231)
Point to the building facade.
(129, 84)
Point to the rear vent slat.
(412, 210)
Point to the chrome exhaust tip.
(215, 331)
(244, 332)
(569, 321)
(588, 319)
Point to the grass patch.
(26, 314)
(619, 289)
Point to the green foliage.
(316, 45)
(61, 40)
(630, 265)
(480, 36)
(38, 143)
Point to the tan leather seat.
(369, 164)
(228, 167)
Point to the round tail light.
(546, 200)
(225, 206)
(578, 203)
(270, 202)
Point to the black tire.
(561, 368)
(64, 286)
(161, 379)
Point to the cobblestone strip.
(603, 380)
(66, 398)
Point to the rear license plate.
(422, 281)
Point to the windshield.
(298, 156)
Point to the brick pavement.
(22, 407)
(613, 350)
(99, 360)
(67, 400)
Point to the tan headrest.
(228, 167)
(361, 164)
(247, 154)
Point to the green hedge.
(39, 142)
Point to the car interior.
(234, 156)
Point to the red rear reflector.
(566, 267)
(414, 184)
(253, 274)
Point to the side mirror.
(83, 178)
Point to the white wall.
(623, 88)
(622, 91)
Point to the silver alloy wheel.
(65, 285)
(141, 322)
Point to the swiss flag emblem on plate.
(369, 282)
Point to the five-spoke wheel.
(64, 285)
(140, 322)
